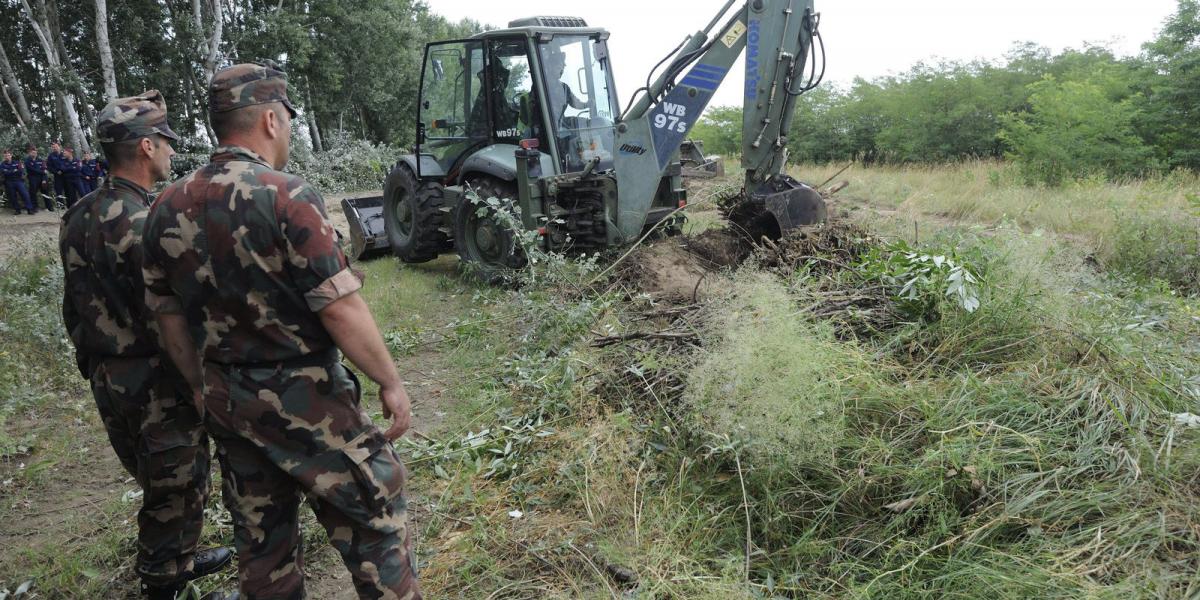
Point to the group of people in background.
(58, 180)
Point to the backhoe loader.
(530, 114)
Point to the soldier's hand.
(397, 408)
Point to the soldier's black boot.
(170, 592)
(222, 596)
(210, 560)
(161, 592)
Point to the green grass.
(1026, 449)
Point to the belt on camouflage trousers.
(94, 360)
(322, 358)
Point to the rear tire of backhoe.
(414, 217)
(486, 245)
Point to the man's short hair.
(121, 154)
(229, 122)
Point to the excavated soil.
(666, 270)
(681, 268)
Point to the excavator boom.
(777, 37)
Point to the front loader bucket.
(713, 166)
(368, 238)
(696, 164)
(777, 207)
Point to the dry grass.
(990, 193)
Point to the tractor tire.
(414, 217)
(487, 247)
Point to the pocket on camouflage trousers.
(377, 472)
(160, 437)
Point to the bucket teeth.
(446, 209)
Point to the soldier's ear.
(272, 122)
(147, 147)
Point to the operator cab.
(543, 78)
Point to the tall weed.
(1163, 247)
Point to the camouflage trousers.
(291, 431)
(156, 432)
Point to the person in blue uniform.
(54, 166)
(101, 170)
(35, 170)
(72, 176)
(14, 184)
(89, 173)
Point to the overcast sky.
(864, 38)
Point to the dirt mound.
(666, 270)
(719, 248)
(679, 268)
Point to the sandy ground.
(333, 205)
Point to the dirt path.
(21, 232)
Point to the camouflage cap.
(135, 117)
(248, 84)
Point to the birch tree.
(209, 46)
(105, 49)
(13, 94)
(51, 45)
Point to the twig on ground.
(611, 340)
(746, 508)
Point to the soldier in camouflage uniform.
(148, 410)
(247, 258)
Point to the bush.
(1158, 247)
(1076, 129)
(348, 165)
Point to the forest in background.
(1076, 113)
(354, 67)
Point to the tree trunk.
(51, 43)
(15, 95)
(214, 43)
(209, 47)
(12, 89)
(310, 115)
(106, 59)
(8, 100)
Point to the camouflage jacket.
(248, 255)
(100, 242)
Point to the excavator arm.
(777, 37)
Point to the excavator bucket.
(368, 238)
(775, 208)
